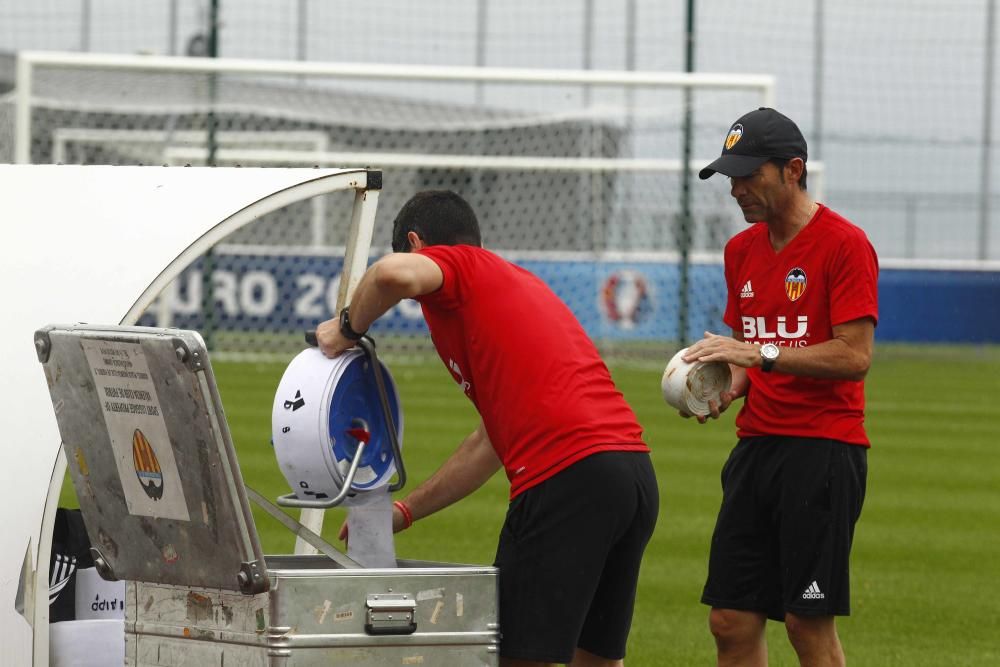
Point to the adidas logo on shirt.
(747, 291)
(813, 592)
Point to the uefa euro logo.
(625, 298)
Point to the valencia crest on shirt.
(795, 284)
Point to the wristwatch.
(768, 355)
(345, 327)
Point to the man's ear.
(416, 243)
(794, 168)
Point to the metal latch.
(390, 614)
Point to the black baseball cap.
(754, 139)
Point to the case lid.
(151, 456)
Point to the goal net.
(578, 176)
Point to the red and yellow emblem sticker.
(147, 467)
(734, 136)
(795, 284)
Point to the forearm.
(845, 356)
(383, 285)
(834, 359)
(466, 470)
(374, 296)
(387, 282)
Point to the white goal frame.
(64, 137)
(763, 84)
(179, 155)
(27, 61)
(235, 150)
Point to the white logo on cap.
(734, 136)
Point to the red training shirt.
(544, 394)
(827, 275)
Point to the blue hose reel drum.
(322, 409)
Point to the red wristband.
(405, 511)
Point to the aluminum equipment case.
(159, 485)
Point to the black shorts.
(569, 556)
(782, 542)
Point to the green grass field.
(926, 562)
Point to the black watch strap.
(767, 361)
(346, 330)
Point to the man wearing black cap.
(801, 284)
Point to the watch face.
(769, 351)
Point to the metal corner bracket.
(252, 578)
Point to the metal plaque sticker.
(137, 430)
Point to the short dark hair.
(780, 164)
(438, 217)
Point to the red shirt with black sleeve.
(827, 275)
(517, 351)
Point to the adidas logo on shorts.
(813, 592)
(747, 291)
